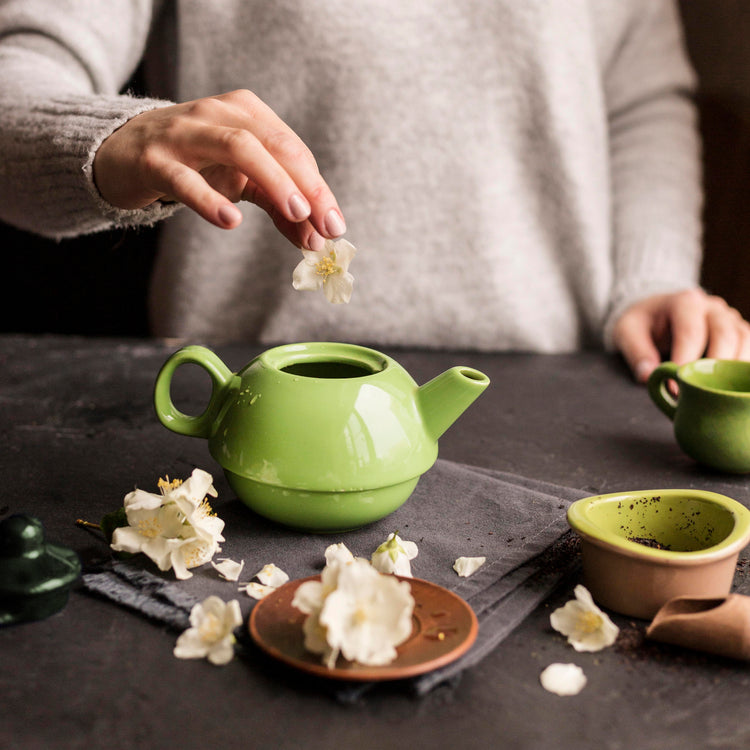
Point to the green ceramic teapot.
(320, 436)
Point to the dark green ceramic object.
(35, 576)
(711, 414)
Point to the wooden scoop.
(716, 625)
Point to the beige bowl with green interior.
(641, 549)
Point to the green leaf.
(113, 521)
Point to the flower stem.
(87, 524)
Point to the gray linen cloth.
(456, 510)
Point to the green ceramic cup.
(320, 436)
(711, 412)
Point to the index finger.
(689, 328)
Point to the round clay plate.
(444, 628)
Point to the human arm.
(61, 68)
(657, 309)
(656, 189)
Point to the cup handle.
(169, 415)
(657, 388)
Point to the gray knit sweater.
(514, 173)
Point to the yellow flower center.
(327, 266)
(149, 527)
(359, 616)
(195, 554)
(165, 485)
(205, 508)
(210, 629)
(589, 622)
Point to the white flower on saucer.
(394, 556)
(355, 611)
(228, 569)
(211, 631)
(466, 566)
(563, 679)
(585, 625)
(177, 529)
(328, 268)
(368, 614)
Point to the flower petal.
(190, 645)
(338, 288)
(305, 278)
(228, 569)
(344, 250)
(222, 653)
(270, 575)
(308, 597)
(338, 553)
(466, 566)
(257, 590)
(563, 679)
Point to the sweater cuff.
(66, 198)
(655, 266)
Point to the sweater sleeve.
(655, 160)
(61, 68)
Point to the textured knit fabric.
(513, 174)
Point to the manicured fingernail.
(229, 214)
(299, 208)
(334, 223)
(316, 242)
(643, 369)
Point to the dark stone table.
(79, 431)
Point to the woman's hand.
(683, 326)
(213, 152)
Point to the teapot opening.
(327, 369)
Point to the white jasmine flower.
(177, 529)
(466, 566)
(563, 679)
(257, 590)
(394, 555)
(228, 569)
(270, 575)
(356, 612)
(328, 268)
(210, 634)
(585, 625)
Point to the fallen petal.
(228, 569)
(257, 590)
(563, 679)
(270, 575)
(466, 566)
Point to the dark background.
(96, 285)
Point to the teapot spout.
(442, 400)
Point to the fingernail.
(643, 369)
(334, 223)
(316, 242)
(229, 214)
(299, 208)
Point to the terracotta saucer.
(444, 628)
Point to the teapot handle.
(169, 415)
(657, 388)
